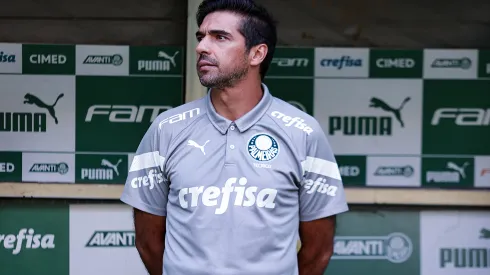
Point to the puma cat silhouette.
(32, 99)
(484, 233)
(378, 103)
(168, 57)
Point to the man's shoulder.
(289, 116)
(181, 116)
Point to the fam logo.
(263, 147)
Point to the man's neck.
(233, 103)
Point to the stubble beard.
(221, 80)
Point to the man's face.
(222, 59)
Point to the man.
(224, 184)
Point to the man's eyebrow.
(214, 32)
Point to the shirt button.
(232, 127)
(232, 146)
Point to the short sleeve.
(146, 187)
(322, 193)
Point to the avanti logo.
(7, 58)
(125, 113)
(111, 239)
(158, 65)
(396, 248)
(454, 63)
(368, 125)
(105, 172)
(343, 62)
(214, 196)
(32, 241)
(474, 258)
(28, 122)
(60, 168)
(115, 60)
(454, 174)
(405, 171)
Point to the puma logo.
(484, 233)
(168, 57)
(378, 103)
(194, 144)
(32, 99)
(107, 163)
(451, 165)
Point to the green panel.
(48, 59)
(396, 63)
(381, 243)
(11, 166)
(113, 113)
(298, 92)
(101, 168)
(484, 63)
(146, 60)
(352, 170)
(448, 172)
(456, 117)
(292, 62)
(34, 240)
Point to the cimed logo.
(263, 147)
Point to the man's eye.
(220, 37)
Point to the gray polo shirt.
(234, 192)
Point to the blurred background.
(401, 88)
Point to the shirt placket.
(232, 145)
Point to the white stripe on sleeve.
(147, 160)
(322, 167)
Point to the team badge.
(263, 147)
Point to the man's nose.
(202, 47)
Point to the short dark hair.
(257, 25)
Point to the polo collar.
(245, 122)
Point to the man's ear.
(258, 54)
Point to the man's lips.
(203, 63)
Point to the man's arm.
(146, 191)
(321, 199)
(150, 240)
(316, 245)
